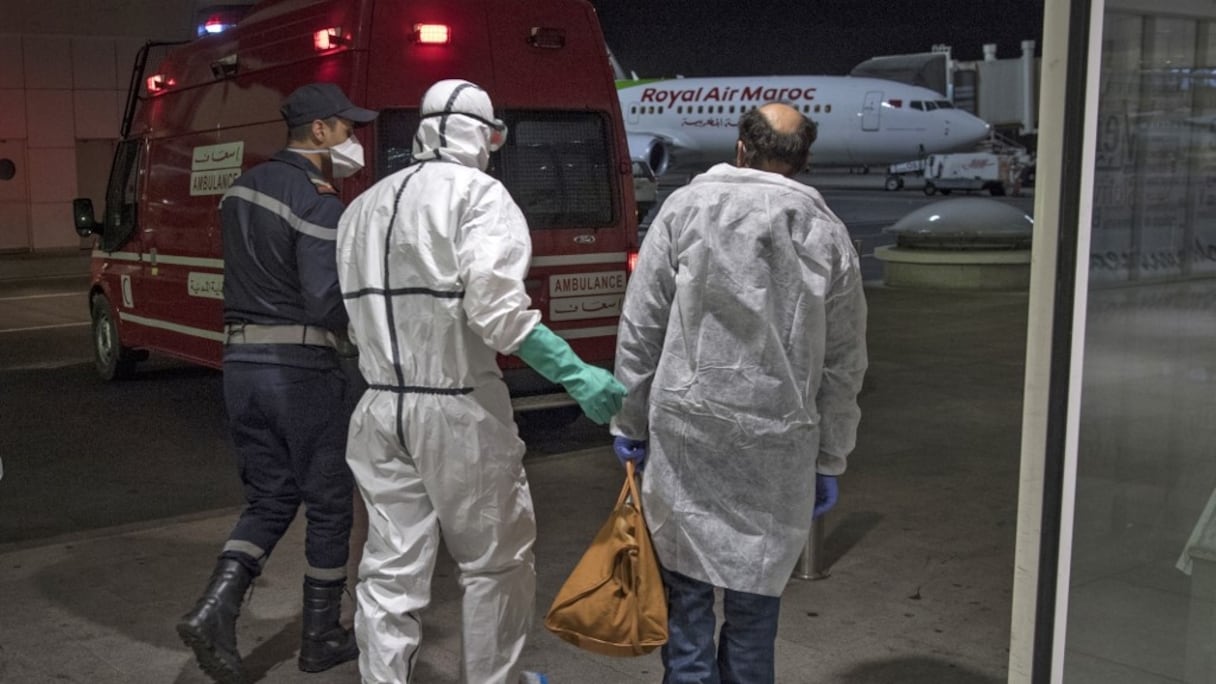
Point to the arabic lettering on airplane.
(671, 96)
(713, 123)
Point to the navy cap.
(321, 101)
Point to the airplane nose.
(975, 129)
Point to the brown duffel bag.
(613, 603)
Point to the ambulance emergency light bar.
(218, 18)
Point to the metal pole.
(810, 563)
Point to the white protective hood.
(456, 125)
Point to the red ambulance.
(211, 109)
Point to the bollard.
(810, 563)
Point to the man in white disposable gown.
(431, 261)
(742, 347)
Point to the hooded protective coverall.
(742, 347)
(431, 261)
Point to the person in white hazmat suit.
(742, 346)
(431, 261)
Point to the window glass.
(556, 165)
(122, 196)
(1142, 584)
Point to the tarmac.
(918, 553)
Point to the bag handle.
(631, 488)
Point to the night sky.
(763, 37)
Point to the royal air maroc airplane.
(685, 125)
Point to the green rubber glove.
(595, 390)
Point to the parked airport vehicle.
(685, 125)
(968, 172)
(211, 109)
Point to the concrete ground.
(919, 550)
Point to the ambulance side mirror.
(82, 211)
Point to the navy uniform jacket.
(279, 224)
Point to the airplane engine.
(649, 149)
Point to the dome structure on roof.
(968, 223)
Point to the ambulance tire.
(113, 361)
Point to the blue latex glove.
(596, 391)
(630, 450)
(826, 493)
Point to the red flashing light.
(631, 263)
(432, 34)
(328, 39)
(158, 83)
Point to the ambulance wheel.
(893, 183)
(113, 361)
(930, 188)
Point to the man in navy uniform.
(284, 323)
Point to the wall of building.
(64, 70)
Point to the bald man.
(742, 347)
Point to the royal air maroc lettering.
(663, 96)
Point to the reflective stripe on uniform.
(281, 210)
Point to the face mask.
(347, 157)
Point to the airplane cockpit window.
(930, 105)
(944, 104)
(917, 105)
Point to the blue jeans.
(745, 651)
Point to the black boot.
(325, 643)
(210, 629)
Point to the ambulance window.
(122, 196)
(557, 165)
(559, 168)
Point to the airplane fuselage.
(861, 121)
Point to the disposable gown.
(431, 261)
(742, 346)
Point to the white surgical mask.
(347, 157)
